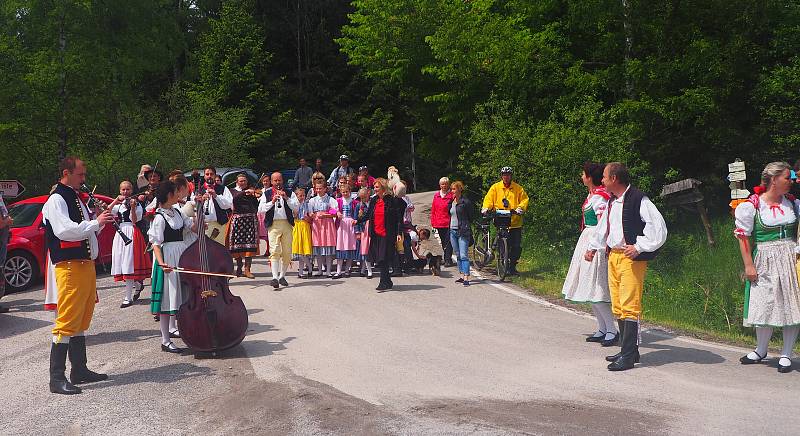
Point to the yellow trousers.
(625, 283)
(77, 294)
(280, 241)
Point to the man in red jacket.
(440, 218)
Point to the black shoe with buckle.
(745, 360)
(171, 348)
(783, 369)
(594, 338)
(610, 342)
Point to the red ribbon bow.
(774, 207)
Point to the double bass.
(212, 318)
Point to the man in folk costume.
(278, 207)
(71, 239)
(631, 231)
(217, 211)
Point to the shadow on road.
(123, 336)
(407, 288)
(26, 305)
(161, 375)
(668, 353)
(11, 325)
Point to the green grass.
(690, 287)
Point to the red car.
(26, 251)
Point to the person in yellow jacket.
(509, 195)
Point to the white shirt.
(225, 201)
(597, 203)
(770, 216)
(121, 208)
(265, 206)
(56, 213)
(322, 204)
(655, 229)
(173, 218)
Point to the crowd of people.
(360, 223)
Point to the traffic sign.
(11, 188)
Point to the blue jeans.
(461, 250)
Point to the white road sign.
(11, 188)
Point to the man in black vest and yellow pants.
(632, 230)
(71, 238)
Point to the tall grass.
(690, 286)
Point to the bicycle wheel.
(502, 258)
(480, 249)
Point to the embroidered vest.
(61, 251)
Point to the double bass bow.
(211, 319)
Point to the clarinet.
(125, 239)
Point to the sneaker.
(274, 283)
(466, 283)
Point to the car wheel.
(20, 271)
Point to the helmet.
(506, 170)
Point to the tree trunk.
(626, 23)
(299, 56)
(62, 92)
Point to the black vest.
(61, 251)
(270, 215)
(170, 234)
(222, 214)
(632, 224)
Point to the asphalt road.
(429, 357)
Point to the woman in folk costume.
(129, 263)
(301, 234)
(243, 230)
(167, 234)
(587, 282)
(362, 235)
(766, 226)
(345, 231)
(323, 210)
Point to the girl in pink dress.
(323, 210)
(345, 231)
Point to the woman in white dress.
(169, 236)
(587, 282)
(768, 221)
(129, 263)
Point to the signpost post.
(737, 177)
(11, 188)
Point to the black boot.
(630, 348)
(620, 327)
(77, 357)
(58, 364)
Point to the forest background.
(674, 88)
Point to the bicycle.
(487, 248)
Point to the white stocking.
(284, 267)
(604, 309)
(301, 264)
(128, 290)
(328, 264)
(789, 338)
(164, 321)
(275, 264)
(320, 263)
(173, 323)
(369, 267)
(601, 322)
(763, 334)
(339, 266)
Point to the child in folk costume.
(323, 209)
(301, 234)
(167, 236)
(345, 231)
(587, 282)
(362, 235)
(129, 263)
(769, 219)
(243, 229)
